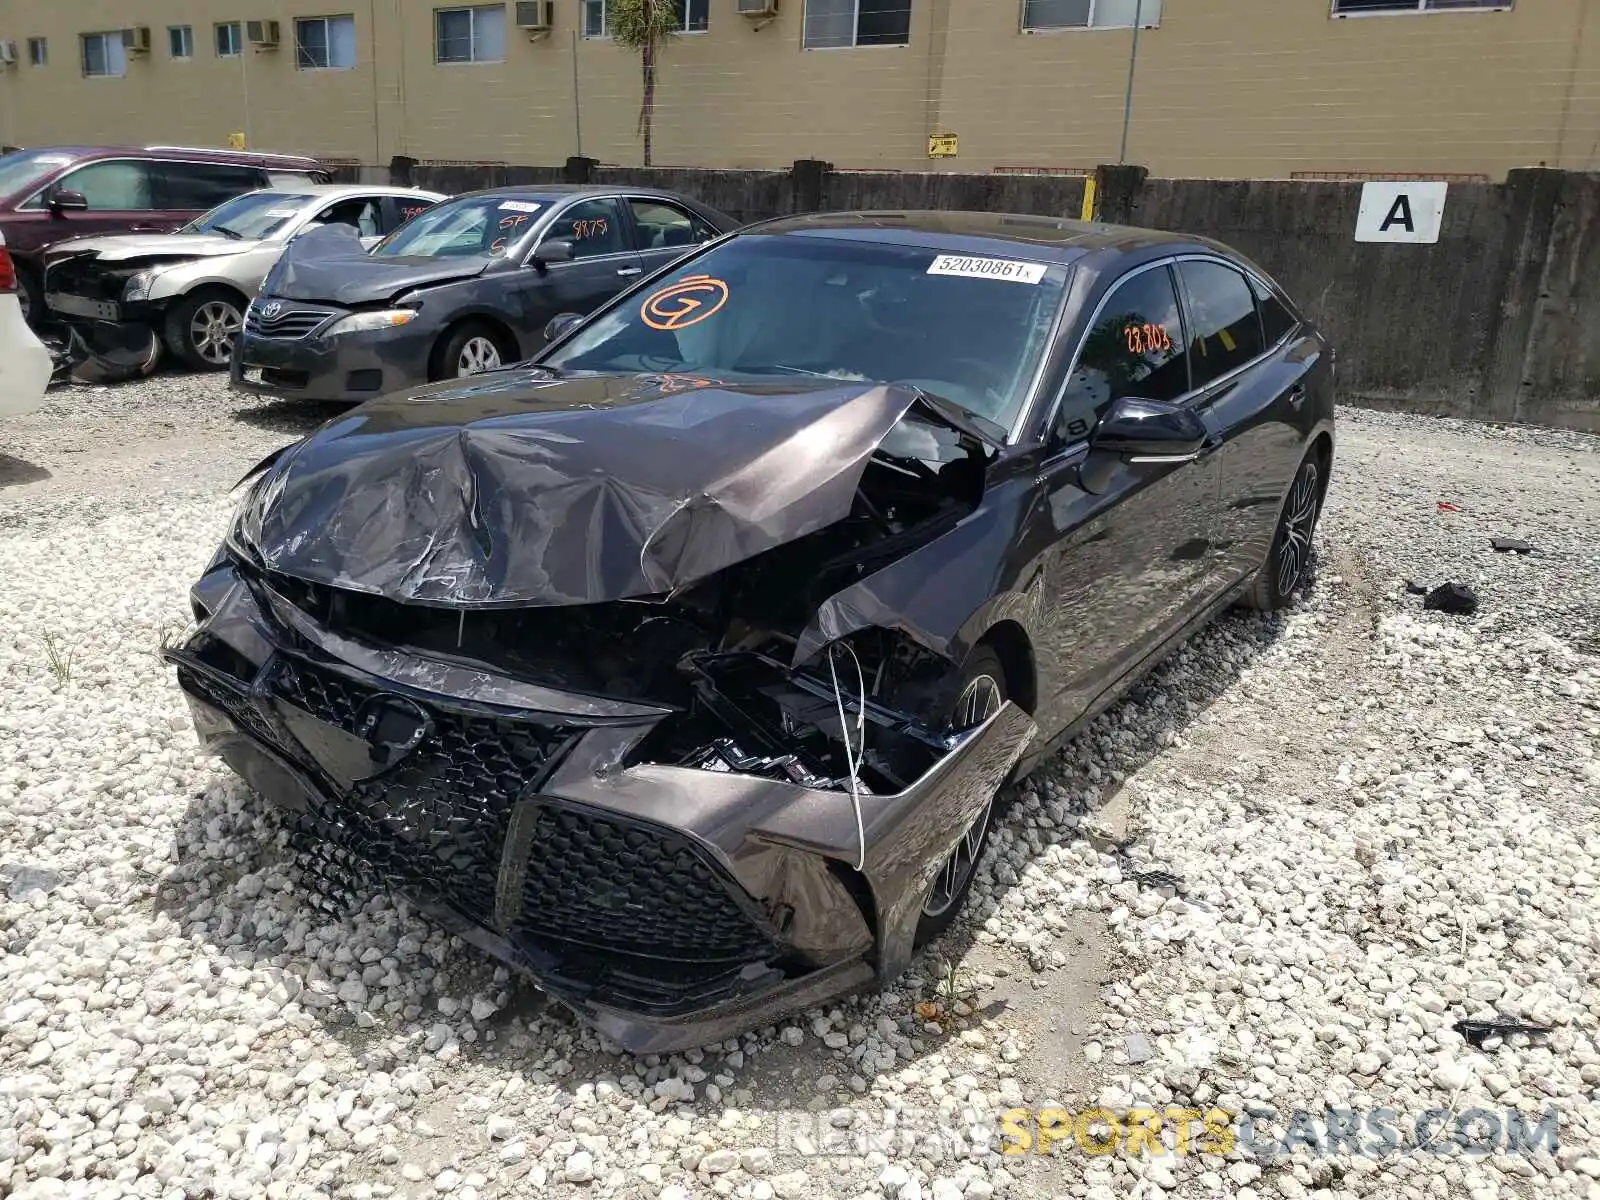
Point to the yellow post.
(1088, 198)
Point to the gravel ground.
(1380, 820)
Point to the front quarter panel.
(242, 272)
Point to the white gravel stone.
(1383, 819)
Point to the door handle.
(630, 271)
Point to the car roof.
(353, 189)
(261, 158)
(1046, 239)
(566, 191)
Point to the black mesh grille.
(288, 322)
(631, 888)
(237, 707)
(651, 914)
(438, 819)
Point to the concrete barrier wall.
(1500, 320)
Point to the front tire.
(202, 328)
(1288, 565)
(471, 349)
(980, 694)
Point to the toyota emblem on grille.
(392, 727)
(271, 309)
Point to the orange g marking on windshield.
(688, 302)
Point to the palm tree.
(645, 26)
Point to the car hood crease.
(330, 265)
(521, 491)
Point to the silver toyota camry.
(189, 289)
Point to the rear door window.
(1224, 330)
(1276, 319)
(203, 186)
(662, 226)
(397, 210)
(114, 186)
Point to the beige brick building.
(1222, 88)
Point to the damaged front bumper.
(670, 906)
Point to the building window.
(594, 19)
(180, 38)
(693, 16)
(38, 51)
(325, 43)
(834, 23)
(1040, 15)
(103, 56)
(470, 35)
(1350, 8)
(230, 39)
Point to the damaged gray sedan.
(681, 666)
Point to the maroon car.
(60, 192)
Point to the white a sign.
(1400, 212)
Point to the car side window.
(1276, 319)
(359, 212)
(120, 186)
(662, 225)
(397, 210)
(203, 186)
(1224, 330)
(1135, 348)
(594, 227)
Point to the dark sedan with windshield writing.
(463, 288)
(682, 666)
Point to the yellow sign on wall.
(236, 141)
(941, 145)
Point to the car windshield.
(256, 215)
(23, 168)
(969, 329)
(471, 226)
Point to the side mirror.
(559, 324)
(1149, 431)
(556, 250)
(62, 201)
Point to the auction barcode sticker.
(988, 268)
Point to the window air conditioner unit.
(758, 8)
(137, 40)
(262, 34)
(535, 16)
(8, 53)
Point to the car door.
(1255, 390)
(1125, 544)
(123, 196)
(186, 190)
(603, 263)
(664, 232)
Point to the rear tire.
(202, 328)
(471, 348)
(1288, 565)
(981, 693)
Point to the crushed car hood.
(331, 265)
(152, 245)
(524, 489)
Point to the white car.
(191, 287)
(25, 364)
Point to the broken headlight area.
(644, 802)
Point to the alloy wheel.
(478, 354)
(979, 701)
(212, 331)
(1299, 523)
